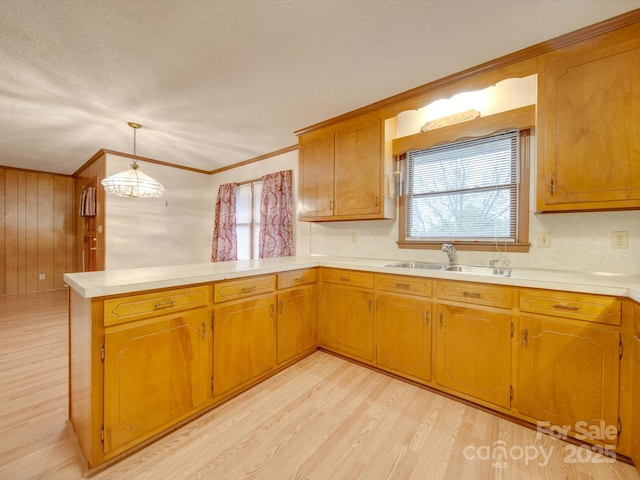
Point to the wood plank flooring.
(323, 418)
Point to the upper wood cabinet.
(342, 172)
(588, 128)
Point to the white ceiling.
(216, 82)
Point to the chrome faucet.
(450, 250)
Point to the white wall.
(579, 241)
(173, 229)
(286, 161)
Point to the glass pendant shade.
(133, 183)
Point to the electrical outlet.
(41, 276)
(354, 238)
(544, 240)
(620, 240)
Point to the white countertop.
(113, 282)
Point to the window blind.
(466, 190)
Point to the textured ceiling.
(216, 82)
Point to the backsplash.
(579, 241)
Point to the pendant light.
(133, 182)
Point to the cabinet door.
(315, 167)
(635, 431)
(297, 323)
(568, 374)
(589, 103)
(403, 334)
(347, 321)
(244, 348)
(155, 373)
(358, 168)
(473, 353)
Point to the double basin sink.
(473, 269)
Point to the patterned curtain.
(224, 246)
(276, 216)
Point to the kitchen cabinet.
(155, 373)
(403, 333)
(244, 332)
(342, 172)
(635, 388)
(315, 175)
(403, 320)
(473, 352)
(156, 368)
(569, 361)
(346, 313)
(297, 321)
(588, 133)
(568, 375)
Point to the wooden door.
(297, 323)
(568, 373)
(315, 170)
(244, 334)
(156, 372)
(473, 352)
(403, 334)
(358, 168)
(346, 318)
(589, 142)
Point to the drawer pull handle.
(299, 279)
(248, 289)
(345, 279)
(472, 294)
(161, 305)
(571, 308)
(402, 285)
(525, 337)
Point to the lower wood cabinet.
(635, 431)
(297, 330)
(473, 352)
(403, 336)
(568, 375)
(244, 347)
(156, 372)
(347, 321)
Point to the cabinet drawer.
(297, 277)
(477, 293)
(404, 284)
(593, 308)
(126, 309)
(348, 277)
(245, 287)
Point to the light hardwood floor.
(323, 418)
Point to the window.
(248, 218)
(469, 192)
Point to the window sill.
(469, 246)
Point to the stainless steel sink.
(419, 265)
(474, 269)
(479, 269)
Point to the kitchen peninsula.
(151, 348)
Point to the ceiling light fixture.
(133, 182)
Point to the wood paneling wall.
(36, 230)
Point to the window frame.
(520, 119)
